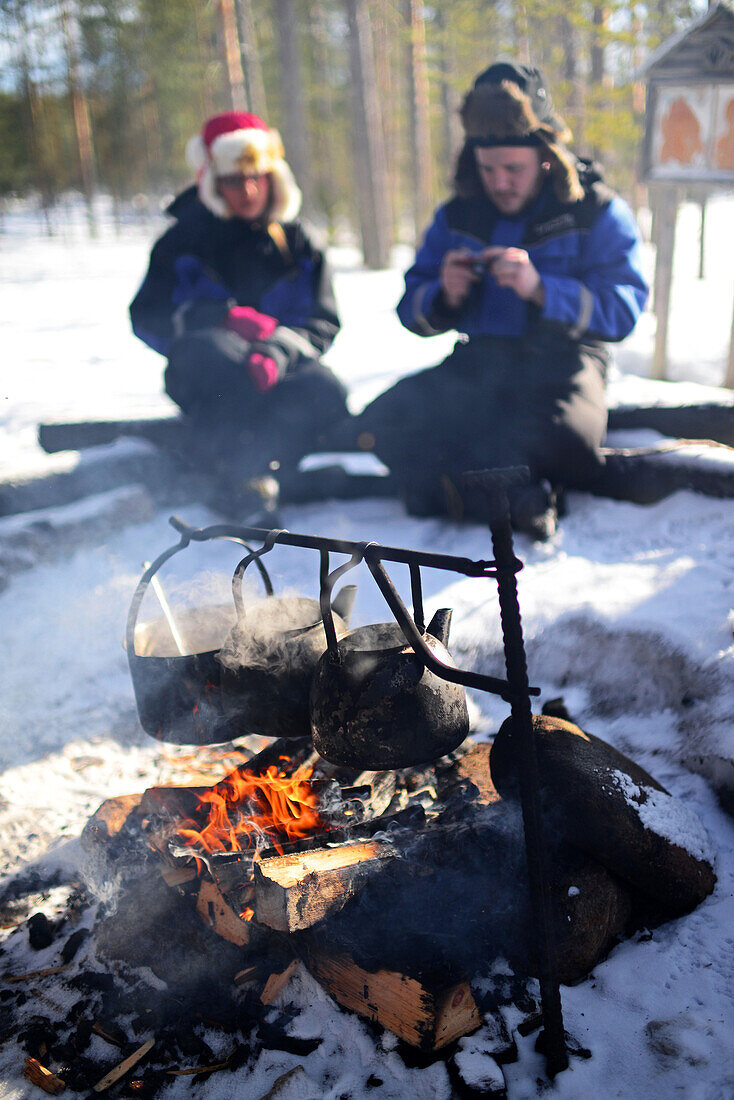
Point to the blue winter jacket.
(587, 254)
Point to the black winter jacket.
(203, 265)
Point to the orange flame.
(243, 808)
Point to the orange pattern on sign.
(725, 144)
(681, 132)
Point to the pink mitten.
(263, 371)
(249, 324)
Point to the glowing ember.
(244, 810)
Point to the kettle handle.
(327, 581)
(254, 555)
(152, 569)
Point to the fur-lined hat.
(238, 141)
(510, 106)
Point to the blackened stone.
(154, 926)
(37, 1036)
(40, 931)
(93, 979)
(82, 1074)
(82, 1035)
(276, 1038)
(72, 945)
(608, 806)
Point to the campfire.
(375, 847)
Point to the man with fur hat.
(536, 263)
(241, 303)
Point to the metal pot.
(268, 659)
(374, 704)
(174, 667)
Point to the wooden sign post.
(689, 139)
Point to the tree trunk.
(371, 171)
(295, 128)
(82, 125)
(250, 58)
(420, 135)
(231, 61)
(575, 112)
(450, 99)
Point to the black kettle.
(375, 705)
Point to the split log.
(295, 891)
(424, 1017)
(706, 421)
(44, 1078)
(218, 915)
(108, 819)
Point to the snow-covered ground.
(627, 614)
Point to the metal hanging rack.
(514, 688)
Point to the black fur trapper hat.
(509, 105)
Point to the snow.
(627, 613)
(666, 817)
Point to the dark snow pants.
(207, 378)
(535, 401)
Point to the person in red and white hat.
(240, 301)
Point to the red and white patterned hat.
(238, 141)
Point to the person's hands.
(263, 371)
(458, 276)
(266, 364)
(513, 268)
(249, 323)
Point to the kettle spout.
(343, 602)
(440, 625)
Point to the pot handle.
(327, 581)
(142, 587)
(239, 573)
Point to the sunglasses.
(236, 180)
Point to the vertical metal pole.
(527, 763)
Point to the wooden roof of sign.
(689, 128)
(704, 50)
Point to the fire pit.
(515, 689)
(298, 843)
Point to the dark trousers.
(535, 401)
(207, 378)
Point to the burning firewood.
(44, 1078)
(423, 1016)
(295, 891)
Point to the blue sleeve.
(607, 296)
(421, 308)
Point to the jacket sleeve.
(607, 296)
(303, 301)
(176, 295)
(422, 308)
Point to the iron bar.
(494, 483)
